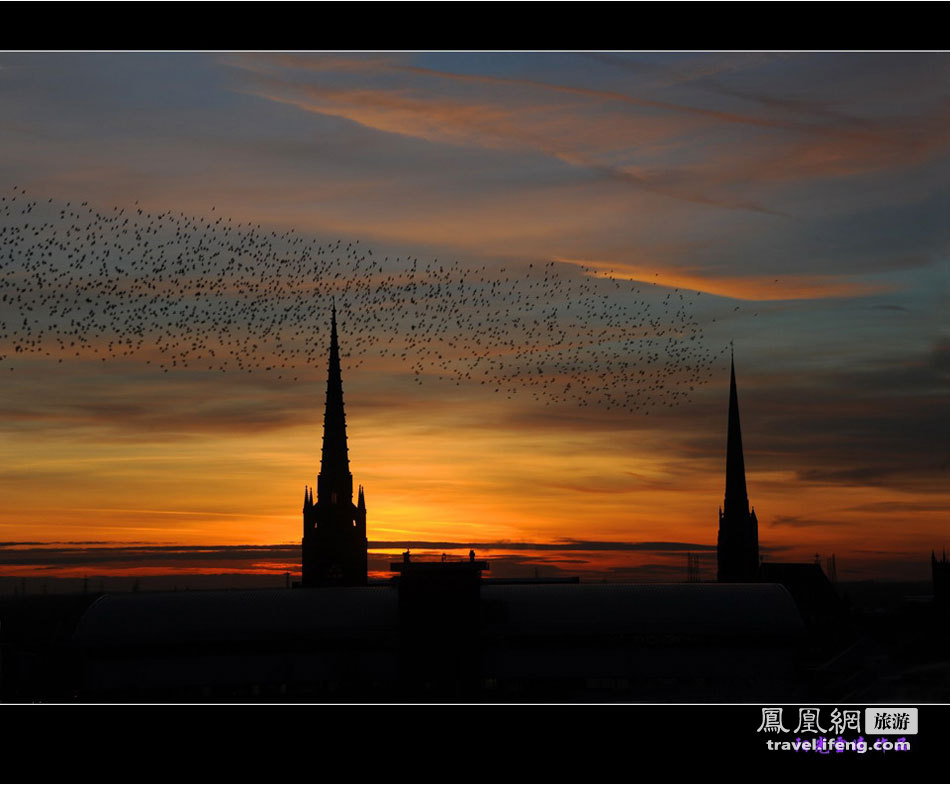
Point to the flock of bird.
(187, 292)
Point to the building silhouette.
(441, 635)
(940, 570)
(738, 545)
(442, 632)
(334, 529)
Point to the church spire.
(737, 498)
(738, 545)
(335, 483)
(334, 545)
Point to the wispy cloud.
(507, 122)
(561, 545)
(789, 138)
(759, 288)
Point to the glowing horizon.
(592, 206)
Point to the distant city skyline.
(799, 201)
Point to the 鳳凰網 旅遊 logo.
(836, 729)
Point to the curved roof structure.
(683, 610)
(563, 641)
(266, 615)
(690, 609)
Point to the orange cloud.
(594, 128)
(503, 123)
(391, 65)
(794, 287)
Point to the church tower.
(334, 529)
(738, 547)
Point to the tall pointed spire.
(334, 529)
(738, 546)
(335, 483)
(737, 498)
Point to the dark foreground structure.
(333, 550)
(737, 549)
(558, 642)
(438, 632)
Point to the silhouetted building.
(940, 568)
(648, 642)
(334, 529)
(738, 546)
(814, 594)
(738, 549)
(440, 622)
(831, 568)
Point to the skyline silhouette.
(609, 378)
(536, 292)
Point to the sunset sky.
(801, 199)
